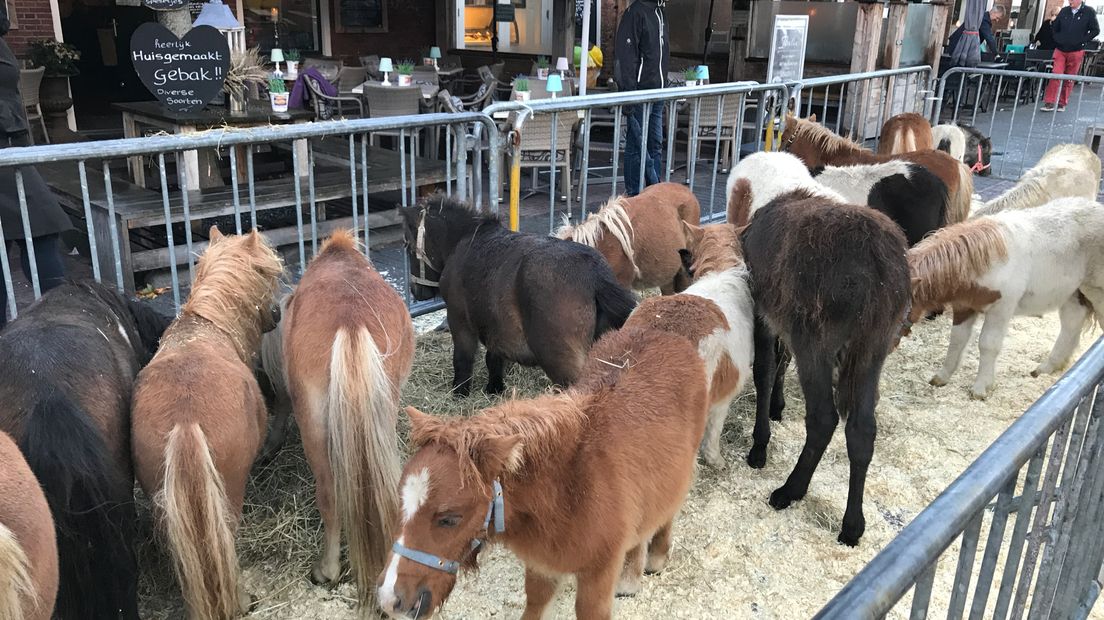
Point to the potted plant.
(405, 69)
(691, 76)
(60, 61)
(278, 94)
(521, 89)
(292, 58)
(246, 73)
(543, 64)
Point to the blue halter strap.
(495, 510)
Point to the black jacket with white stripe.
(642, 52)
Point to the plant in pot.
(60, 61)
(691, 76)
(292, 58)
(521, 88)
(543, 64)
(246, 74)
(405, 69)
(278, 94)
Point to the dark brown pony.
(584, 483)
(348, 344)
(67, 369)
(198, 418)
(905, 133)
(28, 553)
(818, 146)
(527, 298)
(641, 236)
(832, 282)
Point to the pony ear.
(494, 455)
(422, 426)
(694, 234)
(739, 203)
(215, 235)
(811, 118)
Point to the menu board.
(361, 15)
(184, 74)
(787, 49)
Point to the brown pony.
(348, 347)
(645, 236)
(28, 551)
(905, 133)
(584, 483)
(818, 146)
(198, 417)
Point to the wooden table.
(153, 114)
(429, 91)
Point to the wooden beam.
(891, 48)
(941, 12)
(864, 57)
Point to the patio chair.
(386, 101)
(537, 150)
(351, 77)
(482, 97)
(425, 75)
(371, 66)
(730, 126)
(327, 107)
(330, 68)
(471, 140)
(30, 81)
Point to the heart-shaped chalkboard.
(184, 74)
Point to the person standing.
(642, 58)
(1044, 38)
(1075, 26)
(984, 32)
(47, 219)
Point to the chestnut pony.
(348, 344)
(586, 482)
(641, 236)
(817, 146)
(28, 552)
(905, 133)
(198, 417)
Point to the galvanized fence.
(1029, 509)
(1007, 106)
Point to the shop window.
(530, 30)
(287, 24)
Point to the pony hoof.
(319, 578)
(1035, 373)
(976, 394)
(757, 458)
(850, 536)
(716, 461)
(627, 588)
(776, 416)
(461, 391)
(937, 381)
(495, 389)
(655, 564)
(781, 499)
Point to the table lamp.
(561, 66)
(435, 54)
(385, 68)
(277, 57)
(554, 85)
(703, 74)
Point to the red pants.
(1068, 63)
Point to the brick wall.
(31, 21)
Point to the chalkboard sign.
(787, 50)
(165, 5)
(356, 16)
(504, 11)
(184, 74)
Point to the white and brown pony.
(584, 483)
(716, 313)
(966, 144)
(641, 236)
(905, 133)
(818, 146)
(348, 344)
(28, 549)
(198, 418)
(1013, 263)
(1065, 171)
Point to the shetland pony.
(717, 315)
(817, 146)
(586, 482)
(348, 347)
(28, 551)
(905, 133)
(1065, 171)
(1013, 263)
(645, 236)
(967, 145)
(831, 281)
(198, 418)
(530, 299)
(67, 369)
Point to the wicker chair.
(393, 101)
(327, 107)
(425, 75)
(471, 140)
(30, 81)
(330, 68)
(349, 78)
(537, 151)
(371, 65)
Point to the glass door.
(530, 32)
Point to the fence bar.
(297, 181)
(353, 185)
(552, 175)
(252, 190)
(1023, 519)
(584, 169)
(645, 110)
(921, 594)
(113, 225)
(966, 554)
(169, 230)
(233, 185)
(6, 268)
(93, 250)
(364, 188)
(182, 182)
(21, 193)
(992, 549)
(616, 149)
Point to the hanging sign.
(165, 5)
(787, 50)
(185, 74)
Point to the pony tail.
(962, 197)
(361, 413)
(738, 210)
(198, 524)
(16, 587)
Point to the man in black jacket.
(1074, 27)
(642, 57)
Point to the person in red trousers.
(1074, 27)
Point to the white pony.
(773, 174)
(1065, 171)
(1025, 262)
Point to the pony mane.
(453, 210)
(340, 239)
(827, 141)
(614, 218)
(1028, 193)
(543, 425)
(953, 258)
(717, 251)
(235, 283)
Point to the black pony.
(530, 299)
(66, 369)
(830, 280)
